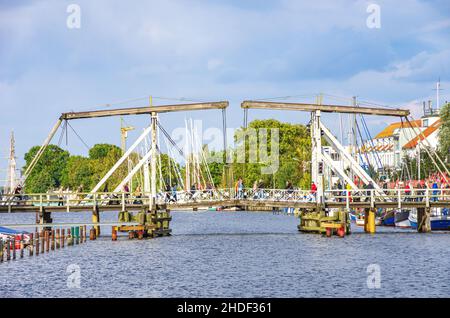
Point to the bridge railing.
(70, 200)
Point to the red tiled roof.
(425, 134)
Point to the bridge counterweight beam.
(153, 161)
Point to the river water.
(234, 254)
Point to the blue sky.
(208, 51)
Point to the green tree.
(47, 172)
(444, 132)
(78, 171)
(293, 158)
(102, 158)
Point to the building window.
(425, 123)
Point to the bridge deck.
(259, 198)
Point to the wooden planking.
(325, 108)
(144, 110)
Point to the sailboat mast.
(11, 178)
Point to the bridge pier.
(45, 218)
(424, 220)
(369, 221)
(153, 222)
(317, 221)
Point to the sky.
(193, 50)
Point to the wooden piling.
(1, 251)
(42, 242)
(14, 248)
(76, 235)
(37, 243)
(84, 232)
(424, 220)
(58, 238)
(8, 249)
(63, 233)
(21, 245)
(114, 233)
(81, 234)
(53, 241)
(47, 241)
(31, 246)
(92, 234)
(69, 237)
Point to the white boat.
(439, 219)
(401, 218)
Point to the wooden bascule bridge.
(327, 211)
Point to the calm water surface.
(234, 254)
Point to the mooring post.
(58, 238)
(84, 232)
(76, 234)
(1, 251)
(81, 234)
(37, 243)
(52, 244)
(31, 247)
(92, 234)
(114, 233)
(8, 249)
(63, 233)
(47, 241)
(21, 245)
(96, 219)
(424, 220)
(14, 247)
(42, 242)
(69, 237)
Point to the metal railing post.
(372, 199)
(399, 199)
(123, 201)
(427, 198)
(347, 194)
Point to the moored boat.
(439, 219)
(401, 218)
(7, 233)
(388, 218)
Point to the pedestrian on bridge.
(314, 190)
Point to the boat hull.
(437, 222)
(401, 219)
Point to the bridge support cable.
(369, 137)
(427, 148)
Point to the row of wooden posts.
(44, 242)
